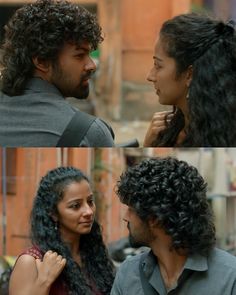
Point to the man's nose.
(125, 217)
(90, 65)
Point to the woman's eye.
(75, 206)
(157, 66)
(91, 202)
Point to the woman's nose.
(87, 210)
(151, 75)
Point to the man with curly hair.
(46, 58)
(168, 211)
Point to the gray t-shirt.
(39, 117)
(212, 275)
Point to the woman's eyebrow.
(157, 58)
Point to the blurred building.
(223, 9)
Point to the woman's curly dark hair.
(209, 46)
(92, 249)
(41, 30)
(174, 193)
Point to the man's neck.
(170, 262)
(41, 75)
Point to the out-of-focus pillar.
(180, 6)
(222, 9)
(109, 84)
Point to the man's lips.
(85, 82)
(86, 77)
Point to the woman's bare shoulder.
(24, 271)
(25, 267)
(25, 260)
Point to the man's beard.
(63, 83)
(134, 243)
(82, 91)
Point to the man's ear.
(189, 75)
(41, 64)
(152, 222)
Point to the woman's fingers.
(51, 266)
(162, 117)
(158, 123)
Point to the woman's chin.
(162, 100)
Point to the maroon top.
(58, 287)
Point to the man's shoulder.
(133, 261)
(100, 134)
(103, 125)
(3, 95)
(223, 258)
(127, 280)
(87, 131)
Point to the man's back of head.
(41, 30)
(174, 193)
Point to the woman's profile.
(195, 72)
(68, 255)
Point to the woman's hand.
(157, 124)
(32, 276)
(50, 268)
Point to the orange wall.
(141, 22)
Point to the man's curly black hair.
(174, 193)
(209, 46)
(92, 249)
(40, 30)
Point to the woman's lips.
(87, 222)
(158, 91)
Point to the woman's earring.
(187, 96)
(56, 226)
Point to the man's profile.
(46, 58)
(167, 210)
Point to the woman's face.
(172, 90)
(76, 210)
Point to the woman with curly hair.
(68, 255)
(194, 71)
(167, 210)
